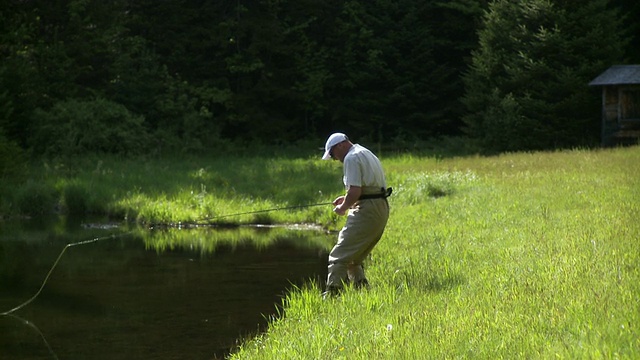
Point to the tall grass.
(181, 190)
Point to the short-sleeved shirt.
(362, 168)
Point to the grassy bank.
(513, 256)
(179, 190)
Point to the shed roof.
(618, 75)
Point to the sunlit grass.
(524, 256)
(183, 190)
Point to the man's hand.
(339, 210)
(343, 203)
(336, 203)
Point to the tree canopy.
(191, 75)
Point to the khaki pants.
(364, 227)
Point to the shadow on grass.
(436, 283)
(432, 282)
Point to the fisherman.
(365, 204)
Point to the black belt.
(383, 195)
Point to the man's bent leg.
(337, 275)
(355, 272)
(362, 231)
(343, 253)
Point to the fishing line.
(264, 211)
(112, 236)
(37, 330)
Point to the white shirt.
(362, 168)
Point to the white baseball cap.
(332, 141)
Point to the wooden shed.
(620, 104)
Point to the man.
(366, 207)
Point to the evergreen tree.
(527, 85)
(454, 26)
(385, 80)
(20, 81)
(630, 13)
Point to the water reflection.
(35, 329)
(170, 294)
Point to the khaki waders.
(363, 229)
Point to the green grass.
(530, 255)
(520, 256)
(179, 190)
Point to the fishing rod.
(208, 219)
(384, 194)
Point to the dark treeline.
(148, 76)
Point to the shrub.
(75, 199)
(101, 126)
(35, 198)
(424, 186)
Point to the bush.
(75, 199)
(422, 187)
(74, 127)
(35, 198)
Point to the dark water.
(194, 297)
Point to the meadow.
(516, 256)
(524, 255)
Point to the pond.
(142, 294)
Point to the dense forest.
(150, 77)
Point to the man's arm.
(353, 194)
